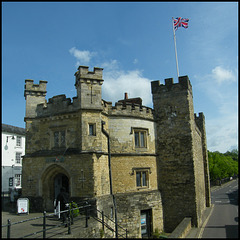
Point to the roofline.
(12, 129)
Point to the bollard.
(44, 224)
(9, 228)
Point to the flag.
(180, 22)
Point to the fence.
(84, 213)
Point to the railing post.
(68, 220)
(44, 224)
(126, 233)
(86, 212)
(71, 212)
(9, 228)
(102, 221)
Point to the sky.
(133, 42)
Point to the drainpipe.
(110, 176)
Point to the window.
(19, 141)
(18, 180)
(18, 158)
(59, 139)
(142, 178)
(92, 129)
(140, 137)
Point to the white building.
(13, 148)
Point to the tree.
(223, 165)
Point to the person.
(63, 197)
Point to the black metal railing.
(105, 224)
(82, 210)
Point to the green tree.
(223, 165)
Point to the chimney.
(125, 96)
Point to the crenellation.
(35, 89)
(159, 163)
(131, 110)
(183, 83)
(57, 104)
(84, 73)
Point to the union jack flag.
(180, 22)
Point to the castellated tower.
(182, 154)
(89, 89)
(34, 94)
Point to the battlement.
(200, 121)
(183, 83)
(57, 105)
(35, 89)
(84, 74)
(127, 110)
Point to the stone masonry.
(158, 157)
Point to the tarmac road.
(223, 222)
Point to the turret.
(89, 89)
(34, 94)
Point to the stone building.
(158, 157)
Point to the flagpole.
(175, 47)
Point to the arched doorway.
(53, 178)
(60, 180)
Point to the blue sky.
(133, 42)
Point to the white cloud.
(222, 133)
(83, 57)
(117, 82)
(222, 104)
(220, 75)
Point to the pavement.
(55, 228)
(78, 229)
(197, 232)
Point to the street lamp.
(12, 137)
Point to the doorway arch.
(53, 178)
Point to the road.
(223, 222)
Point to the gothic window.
(140, 138)
(59, 139)
(142, 178)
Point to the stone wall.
(179, 145)
(121, 131)
(124, 173)
(129, 209)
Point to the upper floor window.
(140, 137)
(19, 141)
(59, 139)
(142, 178)
(92, 129)
(18, 158)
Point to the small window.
(142, 178)
(19, 141)
(140, 137)
(18, 158)
(18, 180)
(92, 129)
